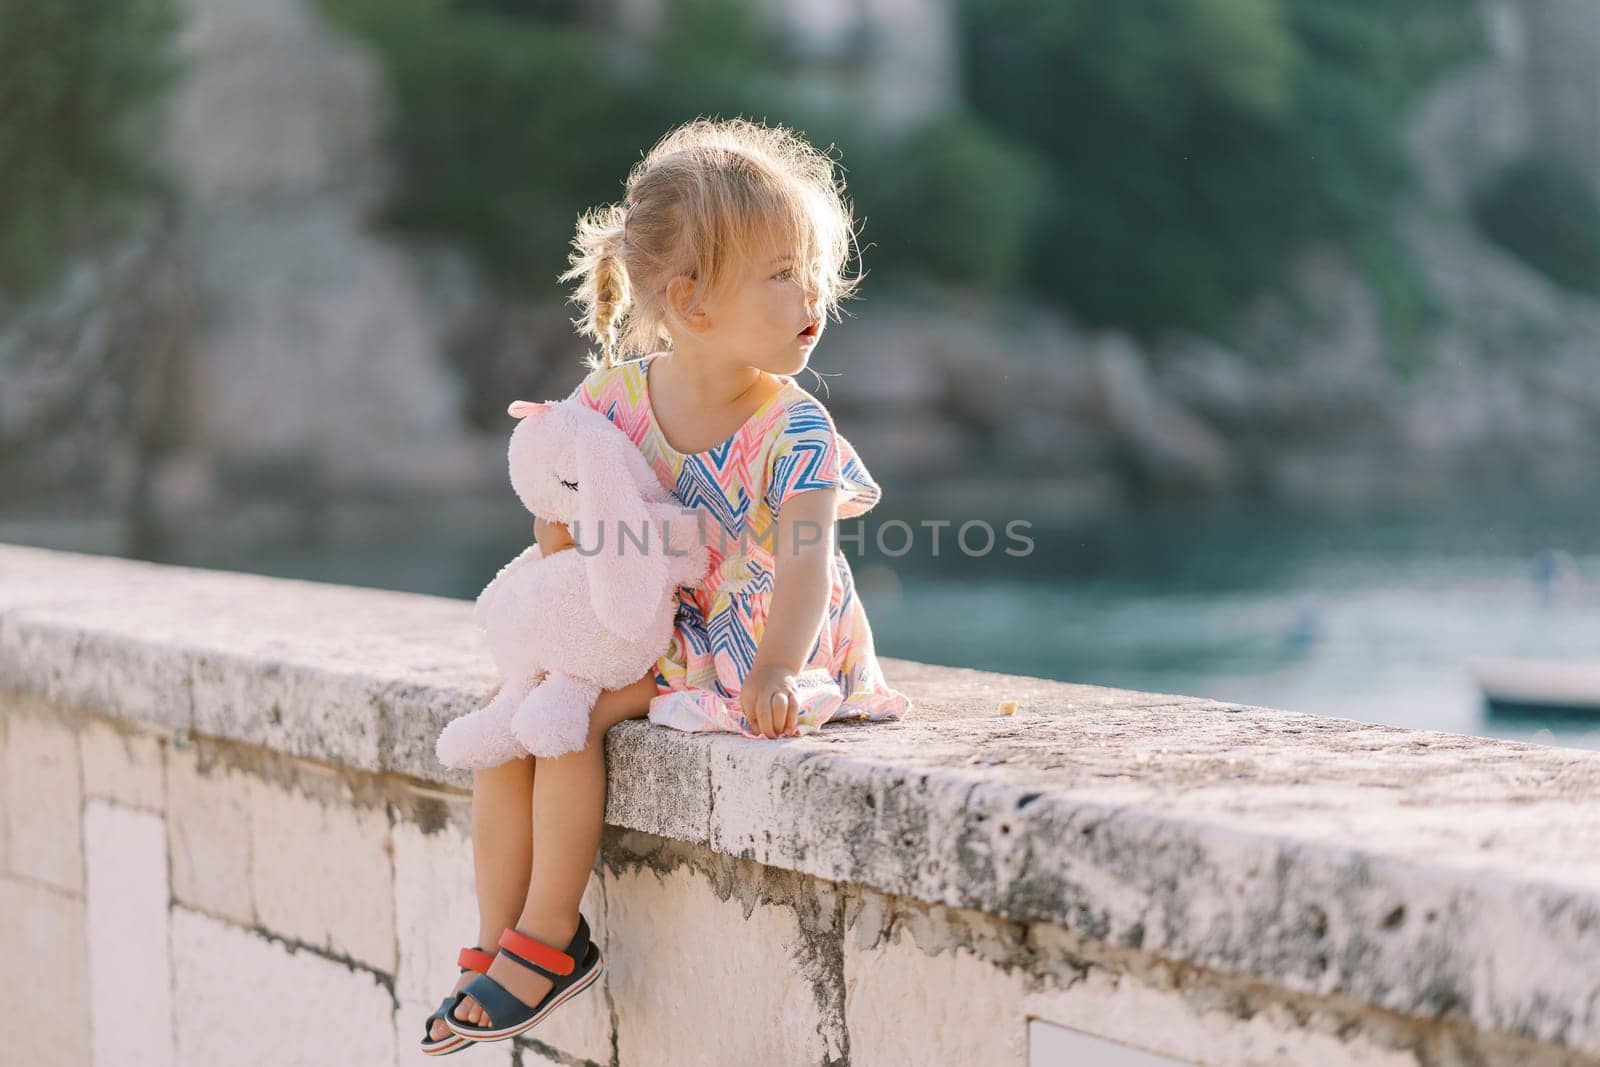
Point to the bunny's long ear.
(625, 580)
(521, 409)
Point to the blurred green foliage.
(1548, 214)
(76, 77)
(948, 198)
(1194, 146)
(1147, 164)
(512, 116)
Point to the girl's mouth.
(811, 330)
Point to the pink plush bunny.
(591, 617)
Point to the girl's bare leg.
(569, 794)
(502, 853)
(502, 844)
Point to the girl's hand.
(551, 536)
(770, 701)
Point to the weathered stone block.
(96, 655)
(665, 928)
(321, 870)
(652, 790)
(940, 985)
(43, 800)
(435, 905)
(43, 969)
(122, 765)
(244, 1000)
(5, 790)
(260, 703)
(130, 969)
(208, 827)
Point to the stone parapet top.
(1429, 873)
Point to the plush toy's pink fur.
(589, 618)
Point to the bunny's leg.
(553, 719)
(481, 739)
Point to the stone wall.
(224, 842)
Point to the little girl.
(730, 246)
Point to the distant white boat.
(1540, 686)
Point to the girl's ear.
(625, 579)
(521, 409)
(683, 297)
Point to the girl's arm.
(552, 537)
(801, 586)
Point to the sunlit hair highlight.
(704, 202)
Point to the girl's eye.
(570, 485)
(787, 272)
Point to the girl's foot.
(439, 1030)
(527, 985)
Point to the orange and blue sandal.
(469, 959)
(572, 971)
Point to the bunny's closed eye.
(570, 485)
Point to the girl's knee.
(510, 771)
(615, 705)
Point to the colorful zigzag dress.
(788, 446)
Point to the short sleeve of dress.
(598, 391)
(589, 390)
(808, 453)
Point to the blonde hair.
(700, 204)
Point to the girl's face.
(763, 317)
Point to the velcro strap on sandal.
(538, 953)
(472, 959)
(501, 1004)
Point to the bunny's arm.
(687, 557)
(480, 610)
